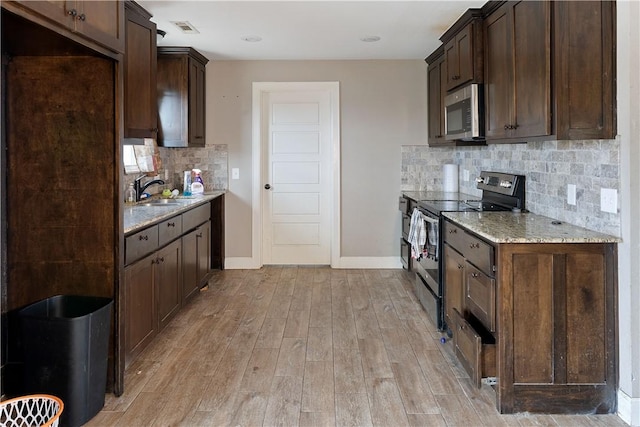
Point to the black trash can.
(65, 342)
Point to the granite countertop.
(138, 216)
(509, 227)
(438, 195)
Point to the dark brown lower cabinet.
(556, 308)
(544, 329)
(168, 281)
(140, 309)
(196, 259)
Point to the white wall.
(628, 85)
(383, 106)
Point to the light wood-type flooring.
(307, 346)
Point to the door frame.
(259, 90)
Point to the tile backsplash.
(549, 167)
(212, 160)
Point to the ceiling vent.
(185, 27)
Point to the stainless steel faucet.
(139, 187)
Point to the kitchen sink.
(160, 202)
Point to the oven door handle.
(429, 219)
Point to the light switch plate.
(235, 173)
(609, 200)
(571, 194)
(465, 174)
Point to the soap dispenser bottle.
(197, 186)
(130, 195)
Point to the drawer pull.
(171, 224)
(453, 231)
(474, 245)
(460, 266)
(81, 17)
(72, 12)
(475, 275)
(199, 235)
(145, 237)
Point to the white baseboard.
(629, 409)
(241, 263)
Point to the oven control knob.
(505, 184)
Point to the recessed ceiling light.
(185, 26)
(370, 39)
(251, 39)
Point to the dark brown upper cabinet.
(584, 71)
(99, 21)
(518, 70)
(140, 97)
(181, 97)
(437, 81)
(549, 71)
(463, 50)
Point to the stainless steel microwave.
(464, 114)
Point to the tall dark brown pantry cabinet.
(181, 97)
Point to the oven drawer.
(406, 224)
(475, 350)
(405, 255)
(431, 303)
(476, 251)
(480, 296)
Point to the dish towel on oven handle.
(417, 234)
(423, 235)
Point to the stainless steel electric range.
(500, 192)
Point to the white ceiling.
(307, 30)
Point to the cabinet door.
(498, 90)
(189, 265)
(168, 281)
(102, 21)
(584, 69)
(436, 75)
(531, 50)
(140, 315)
(453, 284)
(196, 103)
(464, 45)
(140, 92)
(62, 12)
(203, 235)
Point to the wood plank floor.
(307, 346)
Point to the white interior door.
(296, 212)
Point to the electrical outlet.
(235, 173)
(609, 200)
(571, 194)
(465, 175)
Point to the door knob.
(267, 187)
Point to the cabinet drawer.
(455, 237)
(476, 351)
(196, 216)
(140, 244)
(480, 296)
(169, 230)
(479, 254)
(403, 205)
(476, 251)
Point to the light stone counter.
(508, 227)
(139, 216)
